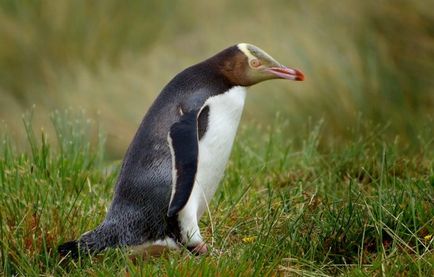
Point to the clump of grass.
(286, 206)
(40, 191)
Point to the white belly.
(215, 146)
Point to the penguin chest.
(216, 143)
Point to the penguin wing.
(184, 147)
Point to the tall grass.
(286, 206)
(361, 58)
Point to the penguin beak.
(286, 73)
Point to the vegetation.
(285, 206)
(339, 182)
(112, 59)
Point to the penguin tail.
(89, 243)
(70, 247)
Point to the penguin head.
(245, 65)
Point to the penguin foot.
(199, 249)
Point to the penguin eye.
(255, 63)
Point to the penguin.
(177, 158)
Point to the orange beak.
(286, 73)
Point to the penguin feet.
(199, 249)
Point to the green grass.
(289, 205)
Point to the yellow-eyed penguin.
(177, 158)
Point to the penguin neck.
(203, 75)
(213, 72)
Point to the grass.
(287, 205)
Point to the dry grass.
(360, 58)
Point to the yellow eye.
(255, 63)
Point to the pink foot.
(199, 249)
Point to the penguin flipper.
(184, 147)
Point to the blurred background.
(367, 63)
